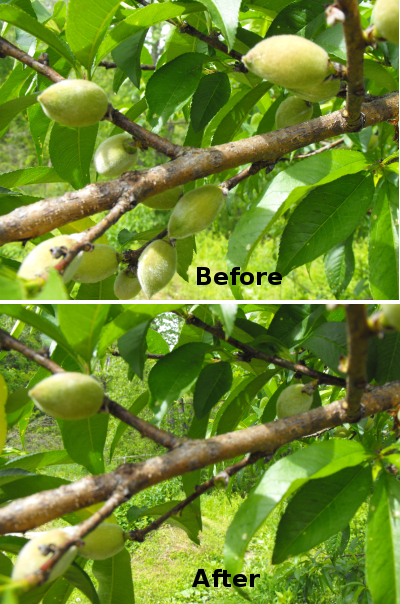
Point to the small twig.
(149, 355)
(213, 42)
(161, 437)
(112, 65)
(320, 150)
(124, 205)
(355, 47)
(8, 49)
(146, 138)
(249, 171)
(358, 335)
(169, 441)
(253, 353)
(140, 534)
(132, 256)
(8, 342)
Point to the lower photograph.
(199, 454)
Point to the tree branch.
(214, 42)
(112, 65)
(43, 216)
(253, 353)
(146, 138)
(358, 335)
(34, 510)
(355, 46)
(8, 342)
(140, 534)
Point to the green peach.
(105, 541)
(75, 103)
(165, 200)
(386, 18)
(391, 315)
(126, 286)
(289, 61)
(69, 395)
(112, 158)
(318, 93)
(292, 111)
(30, 558)
(292, 401)
(40, 259)
(195, 211)
(156, 267)
(97, 265)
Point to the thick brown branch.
(358, 335)
(34, 510)
(355, 47)
(41, 217)
(253, 353)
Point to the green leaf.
(132, 347)
(320, 509)
(156, 343)
(81, 325)
(172, 85)
(340, 265)
(213, 382)
(114, 576)
(127, 57)
(173, 373)
(84, 439)
(380, 75)
(328, 215)
(294, 17)
(59, 592)
(71, 151)
(133, 315)
(287, 187)
(198, 429)
(29, 485)
(5, 565)
(135, 408)
(281, 479)
(102, 290)
(12, 544)
(87, 23)
(384, 358)
(227, 313)
(20, 19)
(293, 323)
(141, 19)
(269, 412)
(238, 406)
(267, 123)
(384, 244)
(29, 176)
(225, 14)
(231, 123)
(39, 125)
(39, 322)
(81, 580)
(54, 288)
(9, 110)
(211, 95)
(12, 474)
(383, 541)
(185, 249)
(329, 343)
(34, 461)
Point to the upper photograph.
(231, 149)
